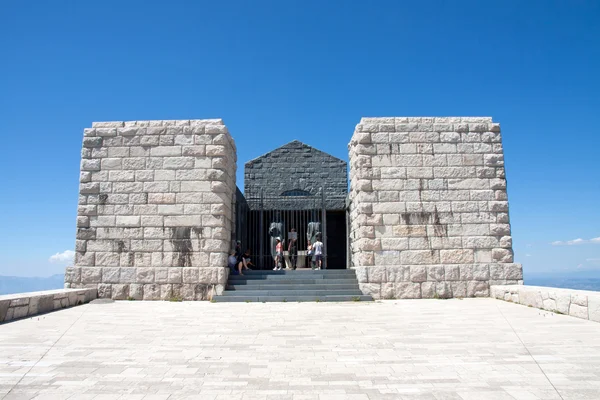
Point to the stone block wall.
(296, 165)
(155, 217)
(577, 303)
(429, 208)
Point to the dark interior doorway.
(261, 220)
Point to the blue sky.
(277, 71)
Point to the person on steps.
(318, 249)
(244, 261)
(293, 249)
(278, 255)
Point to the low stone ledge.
(23, 305)
(151, 283)
(436, 281)
(577, 303)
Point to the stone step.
(286, 292)
(292, 286)
(286, 281)
(267, 277)
(289, 299)
(298, 272)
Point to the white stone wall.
(429, 209)
(24, 305)
(155, 215)
(577, 303)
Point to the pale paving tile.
(406, 349)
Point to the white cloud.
(66, 257)
(527, 255)
(576, 241)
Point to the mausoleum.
(426, 213)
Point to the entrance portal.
(296, 221)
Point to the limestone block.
(104, 291)
(387, 290)
(428, 290)
(362, 274)
(175, 275)
(127, 275)
(578, 311)
(549, 305)
(145, 275)
(91, 275)
(500, 229)
(481, 272)
(418, 273)
(187, 292)
(594, 308)
(435, 272)
(166, 292)
(151, 292)
(451, 272)
(111, 275)
(477, 289)
(398, 273)
(579, 299)
(459, 289)
(73, 274)
(530, 297)
(387, 257)
(372, 289)
(513, 271)
(457, 256)
(120, 292)
(136, 291)
(377, 274)
(409, 257)
(443, 290)
(502, 255)
(506, 242)
(364, 258)
(161, 275)
(407, 290)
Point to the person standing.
(318, 249)
(278, 254)
(309, 255)
(293, 249)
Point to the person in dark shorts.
(244, 261)
(293, 249)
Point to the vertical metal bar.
(324, 229)
(261, 231)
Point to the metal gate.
(260, 220)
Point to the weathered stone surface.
(407, 290)
(373, 289)
(434, 191)
(478, 289)
(578, 311)
(153, 174)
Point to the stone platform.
(469, 349)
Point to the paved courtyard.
(469, 349)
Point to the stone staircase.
(288, 286)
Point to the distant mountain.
(18, 284)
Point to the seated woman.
(244, 261)
(232, 262)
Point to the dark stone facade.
(297, 168)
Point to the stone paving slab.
(469, 349)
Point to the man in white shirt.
(318, 249)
